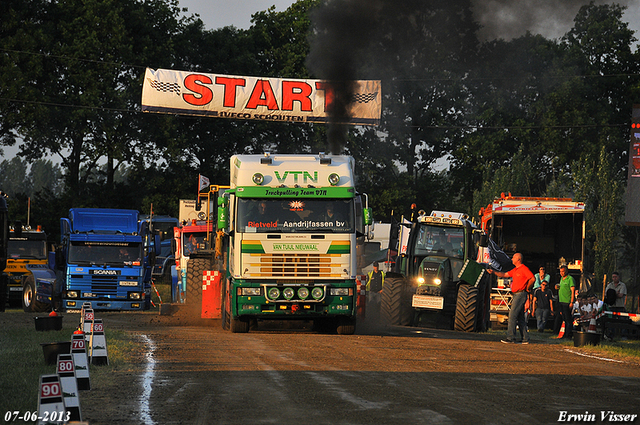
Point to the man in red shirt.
(522, 281)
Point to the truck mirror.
(368, 217)
(223, 213)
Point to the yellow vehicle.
(27, 249)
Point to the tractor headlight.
(420, 280)
(437, 281)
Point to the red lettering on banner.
(296, 91)
(230, 85)
(194, 83)
(329, 93)
(262, 95)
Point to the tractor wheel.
(395, 304)
(466, 316)
(195, 267)
(29, 302)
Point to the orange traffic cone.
(561, 334)
(592, 327)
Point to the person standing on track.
(521, 284)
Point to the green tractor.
(436, 276)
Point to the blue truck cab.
(105, 259)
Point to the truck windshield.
(128, 253)
(24, 248)
(295, 215)
(438, 240)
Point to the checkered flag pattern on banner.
(165, 87)
(364, 97)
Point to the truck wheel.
(29, 302)
(195, 267)
(346, 326)
(395, 306)
(466, 309)
(238, 326)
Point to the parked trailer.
(548, 232)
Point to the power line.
(438, 127)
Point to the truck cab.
(27, 249)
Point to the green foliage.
(515, 178)
(530, 116)
(600, 187)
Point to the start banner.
(270, 99)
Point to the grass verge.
(22, 358)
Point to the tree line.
(531, 116)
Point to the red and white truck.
(548, 232)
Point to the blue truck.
(105, 259)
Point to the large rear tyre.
(395, 303)
(29, 302)
(195, 267)
(466, 318)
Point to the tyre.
(466, 317)
(29, 302)
(224, 319)
(346, 326)
(395, 303)
(239, 325)
(195, 267)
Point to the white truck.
(291, 225)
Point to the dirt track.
(192, 372)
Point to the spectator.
(621, 291)
(541, 276)
(522, 282)
(542, 305)
(566, 298)
(375, 281)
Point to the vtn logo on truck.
(306, 176)
(105, 272)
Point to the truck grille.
(295, 265)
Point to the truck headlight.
(340, 291)
(317, 293)
(288, 293)
(258, 178)
(250, 292)
(72, 294)
(334, 179)
(134, 295)
(273, 293)
(303, 293)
